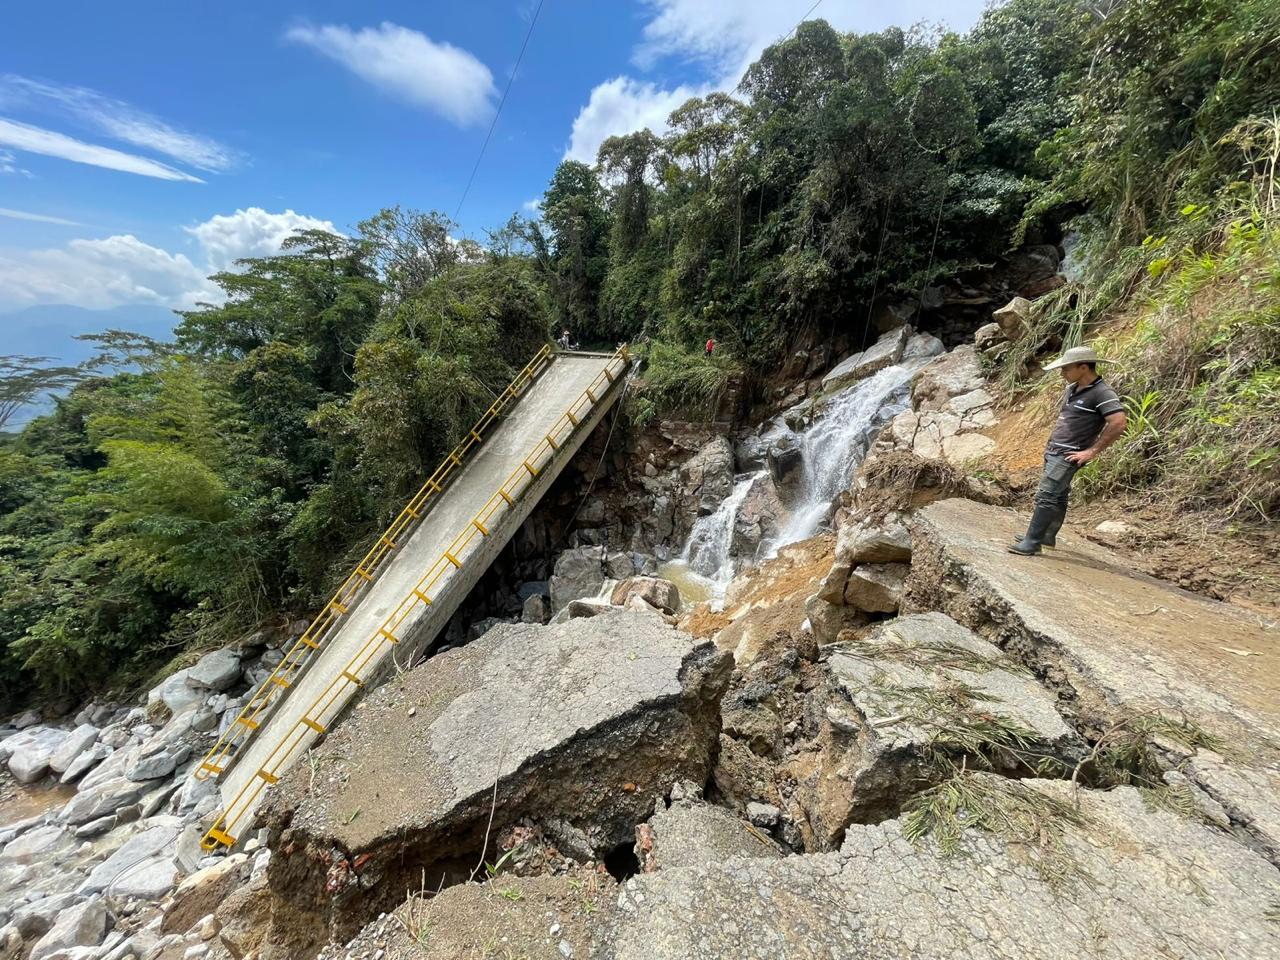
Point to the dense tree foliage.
(236, 471)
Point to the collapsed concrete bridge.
(402, 594)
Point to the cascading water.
(708, 553)
(836, 442)
(831, 449)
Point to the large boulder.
(40, 845)
(785, 460)
(578, 573)
(84, 925)
(885, 352)
(915, 691)
(31, 751)
(950, 375)
(81, 739)
(876, 587)
(176, 693)
(580, 728)
(883, 540)
(93, 803)
(85, 761)
(707, 476)
(658, 593)
(135, 862)
(1012, 319)
(216, 671)
(1144, 882)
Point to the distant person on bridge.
(565, 342)
(711, 346)
(1091, 419)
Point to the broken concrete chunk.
(917, 690)
(587, 723)
(692, 834)
(1146, 883)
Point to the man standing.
(1092, 418)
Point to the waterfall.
(831, 447)
(836, 442)
(708, 552)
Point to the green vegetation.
(235, 473)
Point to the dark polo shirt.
(1084, 414)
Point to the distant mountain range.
(51, 331)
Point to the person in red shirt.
(711, 345)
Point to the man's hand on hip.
(1081, 457)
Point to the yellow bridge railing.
(329, 703)
(323, 627)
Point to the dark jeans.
(1055, 482)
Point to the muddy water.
(18, 802)
(693, 587)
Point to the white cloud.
(122, 269)
(118, 120)
(533, 206)
(9, 164)
(226, 238)
(408, 65)
(102, 273)
(622, 105)
(722, 38)
(36, 217)
(22, 136)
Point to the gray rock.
(884, 541)
(619, 566)
(535, 609)
(693, 834)
(763, 814)
(175, 692)
(101, 800)
(85, 761)
(1012, 318)
(707, 477)
(35, 919)
(81, 739)
(883, 732)
(876, 587)
(950, 375)
(115, 735)
(31, 750)
(885, 352)
(658, 593)
(216, 671)
(96, 828)
(922, 346)
(139, 851)
(153, 767)
(785, 460)
(39, 845)
(578, 573)
(1144, 883)
(588, 723)
(204, 719)
(148, 879)
(30, 718)
(989, 337)
(83, 925)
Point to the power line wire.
(801, 20)
(497, 113)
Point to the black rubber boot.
(1029, 545)
(1050, 538)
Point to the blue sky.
(140, 150)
